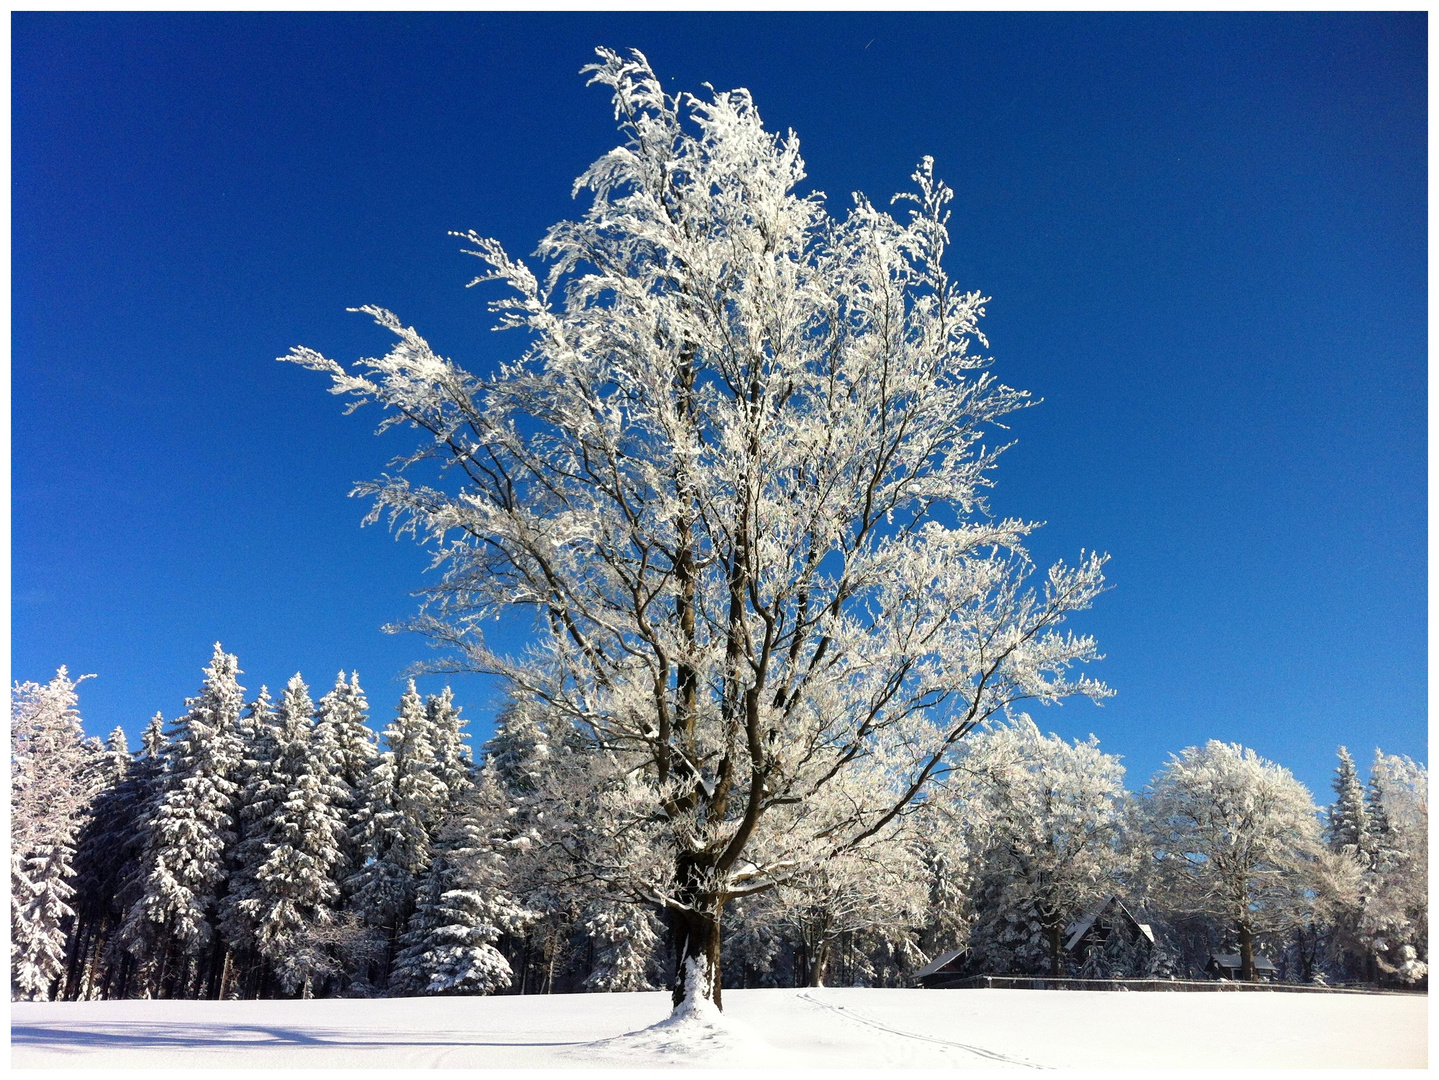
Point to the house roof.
(1233, 960)
(1077, 930)
(939, 963)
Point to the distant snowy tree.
(1348, 824)
(342, 723)
(285, 891)
(184, 864)
(873, 893)
(1043, 818)
(452, 756)
(464, 905)
(1395, 910)
(343, 714)
(625, 940)
(738, 476)
(402, 799)
(253, 804)
(53, 776)
(944, 856)
(1238, 839)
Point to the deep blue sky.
(1205, 237)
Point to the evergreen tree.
(625, 938)
(184, 864)
(99, 858)
(403, 798)
(53, 778)
(116, 850)
(1394, 919)
(1348, 825)
(343, 716)
(254, 803)
(287, 891)
(464, 905)
(341, 725)
(452, 756)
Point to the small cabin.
(1108, 930)
(1228, 965)
(943, 970)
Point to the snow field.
(809, 1028)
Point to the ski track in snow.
(859, 1017)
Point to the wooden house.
(943, 970)
(1109, 939)
(1228, 965)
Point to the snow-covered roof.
(1077, 930)
(1233, 960)
(939, 963)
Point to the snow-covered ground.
(828, 1028)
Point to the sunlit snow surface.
(828, 1028)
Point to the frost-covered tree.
(1348, 824)
(1238, 840)
(737, 476)
(183, 868)
(452, 756)
(846, 906)
(342, 723)
(103, 846)
(402, 801)
(53, 776)
(625, 941)
(284, 894)
(342, 717)
(109, 867)
(1395, 906)
(465, 903)
(1043, 818)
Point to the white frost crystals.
(737, 476)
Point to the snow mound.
(695, 1032)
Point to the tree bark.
(1056, 954)
(1246, 953)
(695, 929)
(817, 966)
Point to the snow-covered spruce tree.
(244, 967)
(99, 848)
(108, 860)
(625, 941)
(402, 798)
(1348, 824)
(285, 891)
(737, 476)
(1237, 839)
(1044, 819)
(465, 902)
(184, 866)
(1395, 909)
(945, 857)
(54, 774)
(452, 756)
(341, 722)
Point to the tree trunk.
(696, 933)
(1056, 951)
(1246, 953)
(817, 965)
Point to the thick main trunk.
(1056, 951)
(818, 964)
(1246, 953)
(695, 929)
